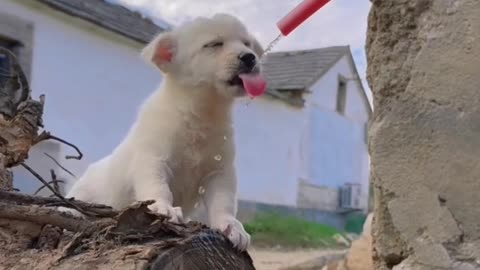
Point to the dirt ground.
(271, 259)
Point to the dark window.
(341, 95)
(4, 60)
(365, 133)
(16, 35)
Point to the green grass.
(354, 223)
(271, 229)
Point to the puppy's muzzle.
(248, 64)
(248, 61)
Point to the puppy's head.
(207, 53)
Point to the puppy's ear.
(161, 51)
(257, 47)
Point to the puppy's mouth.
(236, 81)
(253, 83)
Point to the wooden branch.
(20, 198)
(45, 135)
(68, 203)
(49, 184)
(43, 216)
(59, 165)
(55, 181)
(45, 183)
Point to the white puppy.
(180, 149)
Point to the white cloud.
(341, 22)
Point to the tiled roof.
(112, 17)
(298, 70)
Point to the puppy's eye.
(247, 43)
(213, 44)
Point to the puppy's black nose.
(249, 60)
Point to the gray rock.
(424, 140)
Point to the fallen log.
(34, 235)
(134, 239)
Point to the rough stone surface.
(359, 256)
(424, 71)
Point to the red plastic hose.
(299, 14)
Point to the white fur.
(182, 139)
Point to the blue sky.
(341, 22)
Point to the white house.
(307, 137)
(296, 146)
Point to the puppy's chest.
(197, 157)
(202, 152)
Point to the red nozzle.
(299, 14)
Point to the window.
(4, 60)
(341, 95)
(365, 133)
(16, 35)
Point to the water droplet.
(218, 157)
(201, 190)
(197, 204)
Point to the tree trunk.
(33, 235)
(32, 238)
(20, 118)
(423, 69)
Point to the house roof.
(298, 70)
(110, 16)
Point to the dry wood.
(20, 118)
(42, 216)
(19, 198)
(45, 135)
(54, 183)
(34, 235)
(60, 165)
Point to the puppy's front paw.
(234, 230)
(162, 208)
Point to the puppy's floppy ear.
(257, 47)
(161, 51)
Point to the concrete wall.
(336, 144)
(317, 197)
(423, 68)
(267, 136)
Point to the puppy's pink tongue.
(254, 84)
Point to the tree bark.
(34, 235)
(20, 118)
